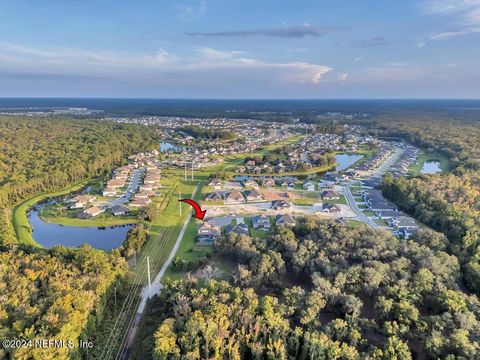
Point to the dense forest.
(39, 155)
(323, 291)
(55, 294)
(211, 133)
(449, 203)
(58, 293)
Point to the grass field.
(381, 222)
(430, 156)
(342, 200)
(355, 223)
(19, 217)
(164, 229)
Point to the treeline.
(40, 155)
(323, 291)
(446, 202)
(317, 158)
(209, 133)
(136, 238)
(55, 294)
(457, 138)
(449, 204)
(59, 293)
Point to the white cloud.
(158, 65)
(358, 58)
(299, 72)
(343, 77)
(463, 17)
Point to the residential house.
(144, 194)
(251, 184)
(330, 195)
(254, 195)
(280, 204)
(119, 210)
(388, 214)
(268, 182)
(261, 222)
(404, 225)
(234, 197)
(216, 183)
(115, 183)
(284, 220)
(308, 185)
(207, 233)
(240, 229)
(91, 212)
(330, 208)
(80, 201)
(140, 202)
(108, 191)
(214, 196)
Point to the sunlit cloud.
(160, 63)
(463, 17)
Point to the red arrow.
(199, 213)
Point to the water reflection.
(49, 235)
(431, 167)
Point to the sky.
(240, 49)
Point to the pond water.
(166, 146)
(431, 167)
(49, 235)
(346, 160)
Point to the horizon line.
(234, 99)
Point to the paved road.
(156, 287)
(131, 189)
(358, 212)
(384, 167)
(377, 173)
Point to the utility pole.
(115, 297)
(185, 171)
(192, 170)
(149, 281)
(180, 206)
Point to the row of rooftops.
(348, 141)
(404, 225)
(401, 166)
(208, 232)
(384, 150)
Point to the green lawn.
(190, 251)
(259, 233)
(355, 223)
(432, 156)
(381, 222)
(164, 229)
(342, 200)
(306, 201)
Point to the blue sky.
(240, 49)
